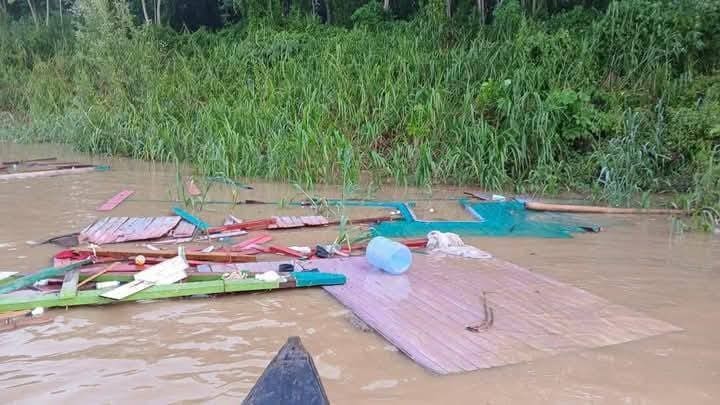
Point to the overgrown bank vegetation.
(618, 99)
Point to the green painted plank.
(199, 223)
(70, 282)
(92, 297)
(250, 284)
(218, 286)
(310, 279)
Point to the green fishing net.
(493, 218)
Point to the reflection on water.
(211, 350)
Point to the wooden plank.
(256, 240)
(125, 252)
(70, 284)
(19, 162)
(246, 225)
(168, 272)
(588, 209)
(46, 173)
(113, 202)
(126, 290)
(199, 223)
(286, 251)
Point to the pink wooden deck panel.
(424, 312)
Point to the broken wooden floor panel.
(124, 229)
(425, 312)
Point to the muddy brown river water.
(211, 350)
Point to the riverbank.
(618, 103)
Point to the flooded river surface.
(212, 350)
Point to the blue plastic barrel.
(388, 255)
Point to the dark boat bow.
(291, 378)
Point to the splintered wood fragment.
(191, 188)
(70, 284)
(115, 200)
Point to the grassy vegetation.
(619, 103)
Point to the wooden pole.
(47, 173)
(124, 253)
(98, 274)
(588, 209)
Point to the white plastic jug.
(388, 255)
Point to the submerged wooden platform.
(519, 315)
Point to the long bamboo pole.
(538, 206)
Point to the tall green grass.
(580, 100)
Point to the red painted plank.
(256, 240)
(115, 201)
(286, 251)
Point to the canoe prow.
(290, 378)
